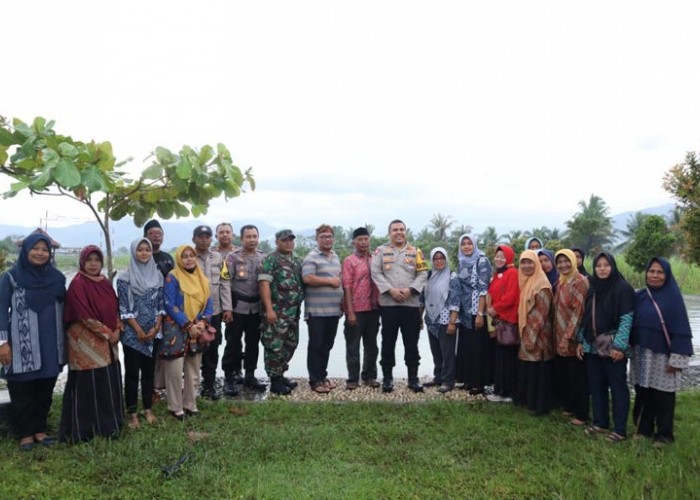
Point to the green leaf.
(165, 210)
(50, 157)
(3, 155)
(38, 124)
(66, 174)
(164, 156)
(42, 181)
(19, 186)
(198, 210)
(141, 215)
(206, 154)
(92, 179)
(153, 172)
(68, 150)
(181, 210)
(7, 138)
(22, 128)
(106, 158)
(183, 168)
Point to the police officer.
(399, 270)
(281, 292)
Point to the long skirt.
(92, 404)
(506, 362)
(534, 386)
(473, 361)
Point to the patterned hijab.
(529, 286)
(569, 254)
(438, 286)
(553, 275)
(193, 285)
(44, 284)
(468, 261)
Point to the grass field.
(279, 449)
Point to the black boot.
(237, 377)
(290, 383)
(252, 383)
(388, 382)
(278, 386)
(230, 388)
(413, 382)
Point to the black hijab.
(581, 268)
(614, 297)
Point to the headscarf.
(530, 286)
(553, 275)
(614, 297)
(468, 261)
(193, 285)
(529, 240)
(44, 284)
(142, 276)
(581, 268)
(91, 297)
(569, 254)
(509, 254)
(438, 286)
(647, 330)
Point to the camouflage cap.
(284, 234)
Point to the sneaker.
(495, 398)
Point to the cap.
(202, 230)
(151, 224)
(360, 231)
(285, 234)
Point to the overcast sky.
(497, 113)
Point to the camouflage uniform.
(287, 293)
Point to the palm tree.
(591, 228)
(489, 238)
(441, 224)
(634, 222)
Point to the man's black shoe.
(237, 378)
(278, 386)
(252, 383)
(414, 385)
(211, 394)
(230, 388)
(290, 383)
(388, 384)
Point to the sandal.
(614, 437)
(592, 430)
(577, 422)
(321, 388)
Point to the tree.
(634, 222)
(441, 224)
(591, 228)
(43, 162)
(683, 182)
(651, 239)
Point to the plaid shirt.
(357, 278)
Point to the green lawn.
(361, 450)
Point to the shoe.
(495, 398)
(178, 416)
(330, 384)
(351, 386)
(237, 378)
(431, 383)
(444, 388)
(253, 383)
(373, 383)
(230, 388)
(614, 437)
(27, 446)
(475, 391)
(592, 430)
(211, 394)
(192, 413)
(290, 383)
(278, 386)
(415, 385)
(320, 388)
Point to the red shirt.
(505, 294)
(357, 278)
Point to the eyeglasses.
(325, 236)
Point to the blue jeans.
(604, 374)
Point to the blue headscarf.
(529, 240)
(647, 331)
(553, 275)
(468, 261)
(44, 284)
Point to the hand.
(420, 324)
(335, 282)
(227, 316)
(397, 294)
(563, 346)
(579, 351)
(143, 337)
(151, 333)
(669, 369)
(6, 354)
(352, 319)
(491, 312)
(193, 331)
(114, 336)
(271, 316)
(451, 329)
(478, 322)
(617, 355)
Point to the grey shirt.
(399, 268)
(243, 270)
(212, 263)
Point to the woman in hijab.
(604, 339)
(468, 303)
(189, 309)
(140, 292)
(533, 243)
(442, 333)
(580, 257)
(92, 402)
(662, 343)
(504, 295)
(32, 338)
(549, 267)
(534, 384)
(570, 388)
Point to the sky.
(350, 112)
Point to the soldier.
(244, 266)
(281, 292)
(399, 271)
(321, 274)
(212, 265)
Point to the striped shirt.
(322, 300)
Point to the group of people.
(544, 334)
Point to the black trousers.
(30, 405)
(407, 319)
(234, 356)
(571, 386)
(136, 364)
(322, 331)
(365, 330)
(210, 355)
(654, 408)
(442, 348)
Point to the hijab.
(44, 285)
(438, 286)
(529, 240)
(581, 268)
(91, 296)
(194, 285)
(509, 254)
(569, 254)
(142, 276)
(468, 261)
(553, 275)
(530, 286)
(648, 331)
(614, 297)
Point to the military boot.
(413, 382)
(388, 382)
(278, 386)
(252, 383)
(230, 388)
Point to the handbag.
(602, 343)
(507, 333)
